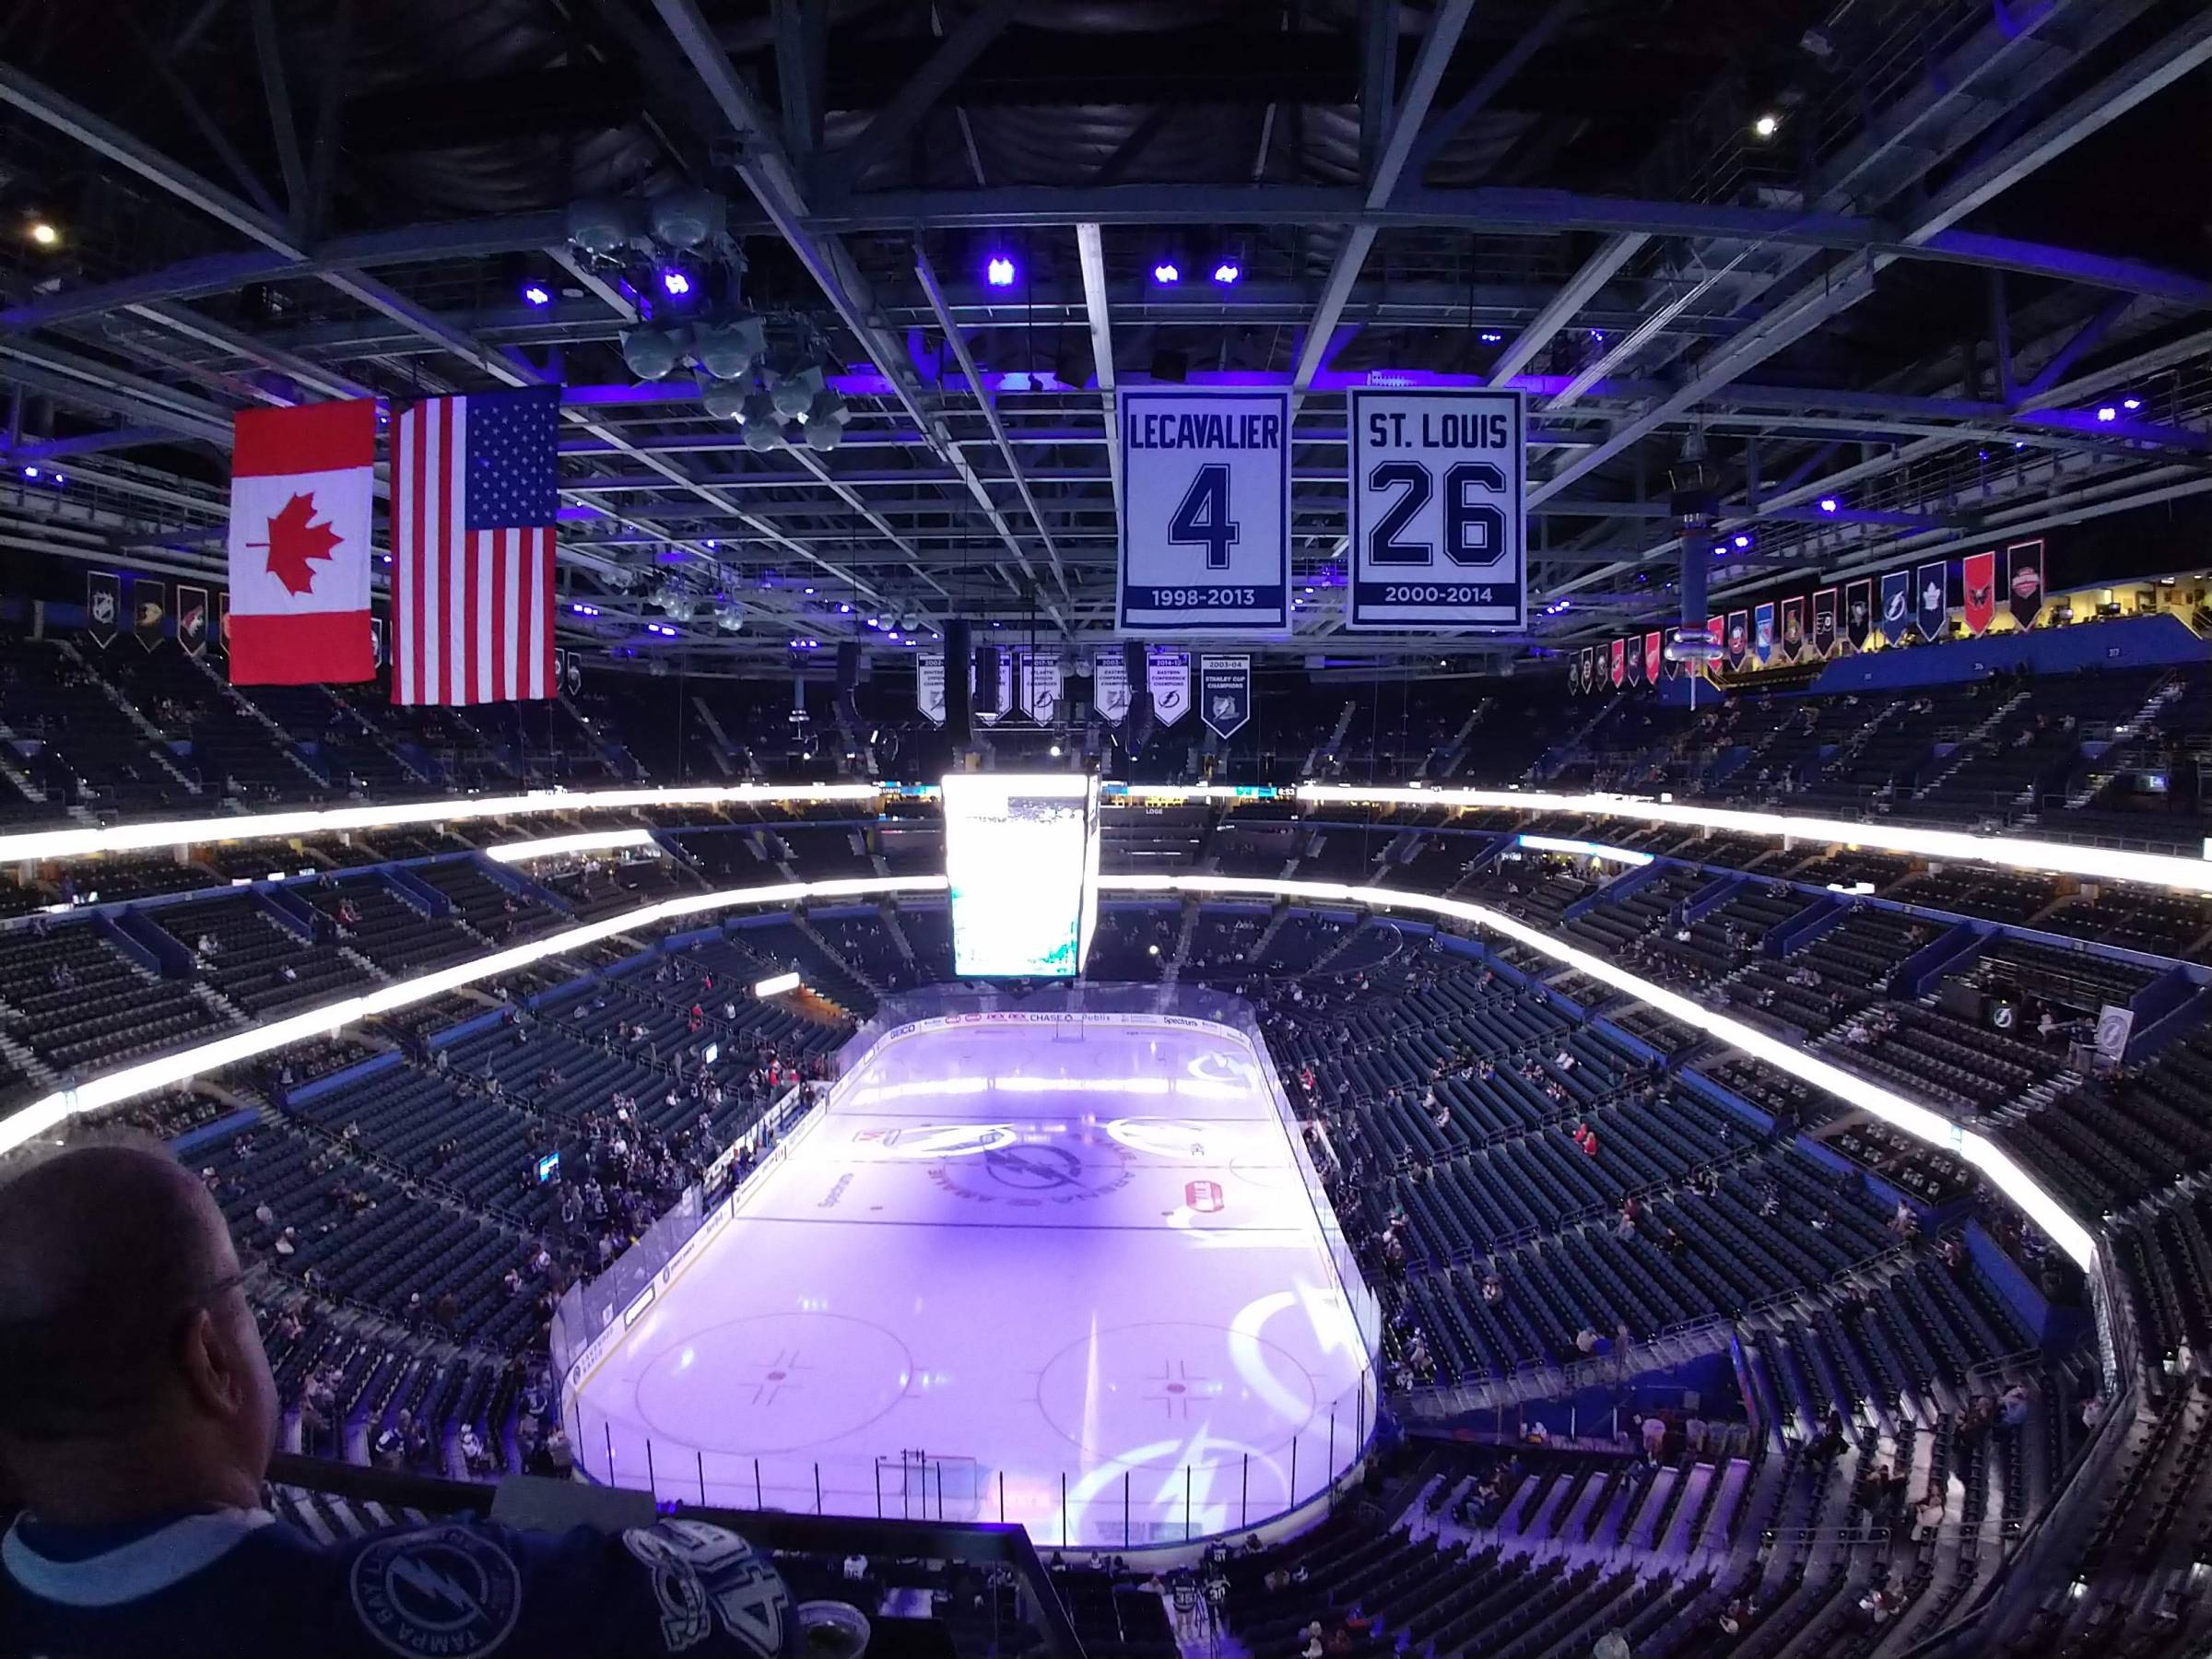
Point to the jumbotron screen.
(1020, 856)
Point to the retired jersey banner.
(149, 610)
(1739, 638)
(1206, 511)
(1762, 632)
(1930, 592)
(1651, 644)
(1619, 662)
(1792, 629)
(1110, 684)
(1824, 623)
(1978, 590)
(1225, 693)
(103, 606)
(1435, 512)
(1860, 630)
(192, 619)
(1168, 682)
(929, 687)
(1897, 605)
(2024, 582)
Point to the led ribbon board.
(1020, 857)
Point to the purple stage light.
(1742, 540)
(1167, 271)
(1828, 503)
(2108, 413)
(676, 282)
(2131, 404)
(1490, 337)
(1227, 272)
(999, 273)
(537, 293)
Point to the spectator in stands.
(137, 1416)
(1654, 1436)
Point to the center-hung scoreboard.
(1433, 535)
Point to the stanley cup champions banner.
(1206, 511)
(1436, 512)
(1225, 693)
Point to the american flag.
(474, 493)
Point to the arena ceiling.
(1889, 275)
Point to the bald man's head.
(122, 1325)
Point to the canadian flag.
(301, 481)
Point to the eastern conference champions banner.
(1436, 511)
(1206, 511)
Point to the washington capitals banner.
(1621, 662)
(1897, 605)
(1859, 629)
(2024, 581)
(1931, 593)
(1792, 629)
(1762, 632)
(1225, 693)
(1977, 580)
(103, 606)
(1739, 639)
(1824, 623)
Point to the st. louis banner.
(1436, 511)
(1860, 629)
(1824, 623)
(1110, 684)
(1978, 590)
(1225, 693)
(1206, 511)
(1897, 605)
(1167, 680)
(1930, 592)
(2024, 582)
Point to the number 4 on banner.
(1202, 519)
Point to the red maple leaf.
(294, 542)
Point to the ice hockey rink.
(1067, 1273)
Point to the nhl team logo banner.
(1897, 605)
(222, 623)
(929, 687)
(1931, 594)
(103, 606)
(2024, 582)
(1716, 629)
(1978, 582)
(1671, 667)
(1043, 683)
(1739, 638)
(1168, 679)
(1620, 663)
(192, 620)
(1792, 629)
(149, 610)
(376, 645)
(575, 680)
(1110, 684)
(1588, 682)
(1650, 658)
(1762, 632)
(1824, 623)
(1633, 651)
(1225, 693)
(1858, 615)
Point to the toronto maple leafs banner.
(2024, 579)
(1931, 593)
(1225, 693)
(1110, 684)
(1860, 630)
(149, 610)
(1978, 582)
(103, 606)
(1897, 605)
(192, 620)
(300, 486)
(1168, 678)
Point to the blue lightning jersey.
(240, 1585)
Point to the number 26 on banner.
(1436, 511)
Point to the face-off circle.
(1141, 1385)
(782, 1382)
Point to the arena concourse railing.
(1103, 1504)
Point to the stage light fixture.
(650, 352)
(537, 293)
(2131, 404)
(2108, 413)
(676, 281)
(44, 234)
(1167, 273)
(1766, 127)
(1227, 272)
(999, 271)
(794, 393)
(726, 350)
(1828, 503)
